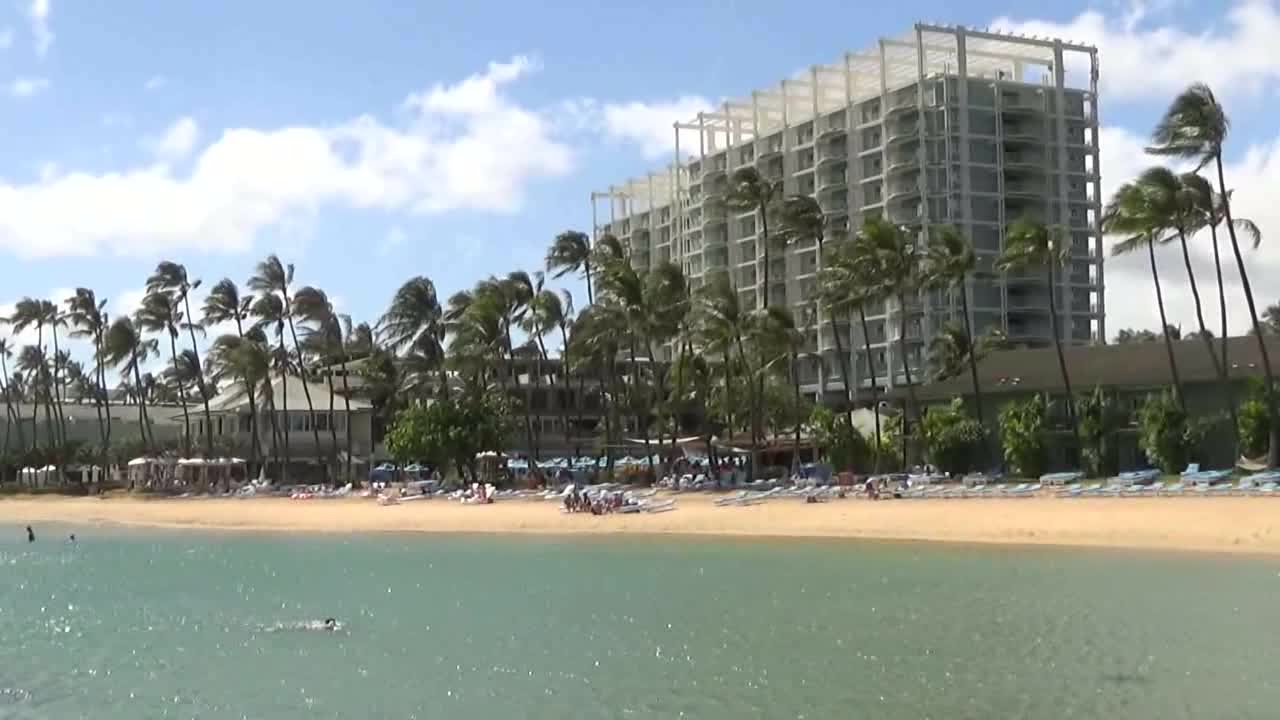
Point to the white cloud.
(6, 38)
(650, 125)
(155, 82)
(1130, 294)
(24, 87)
(38, 12)
(177, 141)
(1141, 60)
(466, 146)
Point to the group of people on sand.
(578, 501)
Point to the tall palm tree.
(172, 277)
(571, 252)
(223, 304)
(949, 262)
(801, 219)
(160, 313)
(269, 310)
(87, 315)
(724, 326)
(54, 319)
(323, 332)
(273, 276)
(29, 312)
(125, 346)
(777, 337)
(847, 286)
(1141, 211)
(415, 320)
(890, 260)
(750, 191)
(1195, 127)
(1030, 245)
(12, 417)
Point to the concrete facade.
(945, 125)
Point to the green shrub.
(1022, 435)
(952, 439)
(1165, 433)
(846, 448)
(1100, 419)
(1255, 422)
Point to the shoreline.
(1236, 525)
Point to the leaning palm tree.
(126, 348)
(30, 312)
(1030, 245)
(245, 358)
(802, 220)
(1195, 127)
(224, 304)
(750, 191)
(571, 252)
(161, 314)
(172, 277)
(273, 276)
(1140, 213)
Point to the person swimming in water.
(330, 624)
(31, 535)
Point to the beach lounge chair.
(1192, 469)
(1174, 490)
(1061, 478)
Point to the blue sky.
(370, 143)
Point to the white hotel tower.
(946, 125)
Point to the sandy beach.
(1228, 524)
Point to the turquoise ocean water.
(129, 625)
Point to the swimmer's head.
(330, 624)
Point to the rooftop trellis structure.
(943, 125)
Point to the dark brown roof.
(1138, 365)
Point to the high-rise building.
(944, 126)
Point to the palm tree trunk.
(57, 389)
(8, 416)
(525, 401)
(1273, 415)
(1222, 301)
(973, 376)
(590, 297)
(8, 388)
(764, 244)
(143, 420)
(39, 380)
(795, 380)
(306, 387)
(102, 387)
(846, 369)
(871, 368)
(346, 402)
(284, 407)
(1219, 369)
(1062, 360)
(99, 394)
(333, 430)
(195, 352)
(642, 413)
(182, 396)
(275, 428)
(1164, 327)
(906, 372)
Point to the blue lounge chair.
(1061, 478)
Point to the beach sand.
(1227, 524)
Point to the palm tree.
(724, 325)
(1195, 127)
(802, 219)
(777, 337)
(125, 345)
(415, 320)
(324, 334)
(890, 266)
(172, 277)
(571, 252)
(54, 319)
(949, 262)
(246, 358)
(10, 397)
(30, 312)
(846, 285)
(88, 317)
(224, 303)
(1140, 211)
(269, 311)
(1030, 245)
(160, 313)
(751, 191)
(272, 276)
